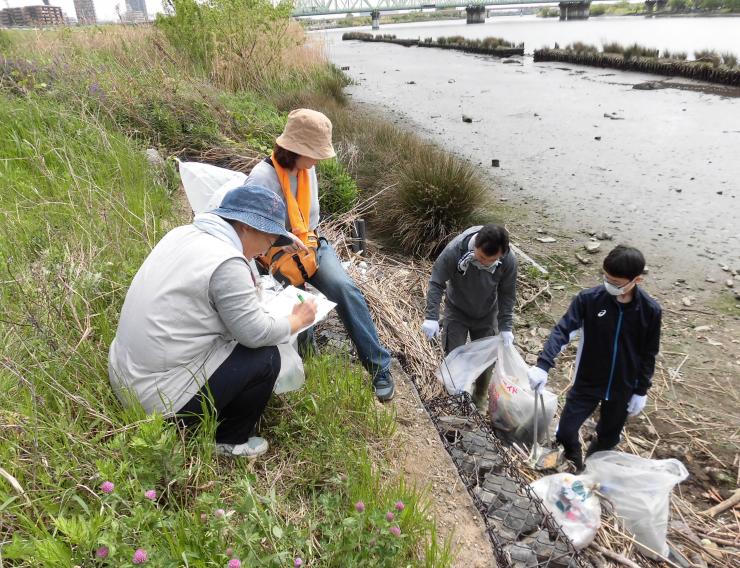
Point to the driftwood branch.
(724, 505)
(616, 557)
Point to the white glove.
(430, 329)
(636, 404)
(507, 338)
(537, 379)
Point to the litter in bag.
(573, 504)
(466, 363)
(640, 490)
(511, 401)
(203, 181)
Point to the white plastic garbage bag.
(203, 181)
(464, 364)
(292, 374)
(640, 490)
(511, 401)
(573, 504)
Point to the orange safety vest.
(298, 267)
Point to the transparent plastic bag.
(464, 364)
(292, 375)
(640, 490)
(511, 401)
(573, 504)
(203, 181)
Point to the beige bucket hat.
(308, 133)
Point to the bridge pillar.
(476, 13)
(575, 10)
(375, 15)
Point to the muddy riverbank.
(578, 146)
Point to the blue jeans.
(334, 282)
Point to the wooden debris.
(724, 505)
(616, 557)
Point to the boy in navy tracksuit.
(620, 338)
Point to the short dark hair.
(624, 262)
(285, 158)
(492, 239)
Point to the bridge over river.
(476, 11)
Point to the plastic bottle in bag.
(573, 504)
(640, 490)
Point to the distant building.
(85, 12)
(137, 6)
(32, 16)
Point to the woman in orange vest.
(290, 172)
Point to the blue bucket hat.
(257, 207)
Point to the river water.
(663, 173)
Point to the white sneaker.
(252, 448)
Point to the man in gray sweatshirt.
(477, 274)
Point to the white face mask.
(490, 268)
(617, 290)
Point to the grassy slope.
(80, 210)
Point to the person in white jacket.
(192, 332)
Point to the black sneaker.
(576, 460)
(384, 387)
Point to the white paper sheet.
(281, 304)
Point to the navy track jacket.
(619, 342)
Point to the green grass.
(338, 192)
(80, 209)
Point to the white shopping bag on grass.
(203, 182)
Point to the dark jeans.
(579, 405)
(455, 333)
(238, 391)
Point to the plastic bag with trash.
(203, 181)
(640, 490)
(464, 364)
(573, 504)
(511, 401)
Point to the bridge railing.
(328, 7)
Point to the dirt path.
(423, 461)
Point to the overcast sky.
(105, 10)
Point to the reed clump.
(637, 50)
(678, 55)
(436, 196)
(613, 47)
(243, 45)
(708, 56)
(707, 65)
(580, 47)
